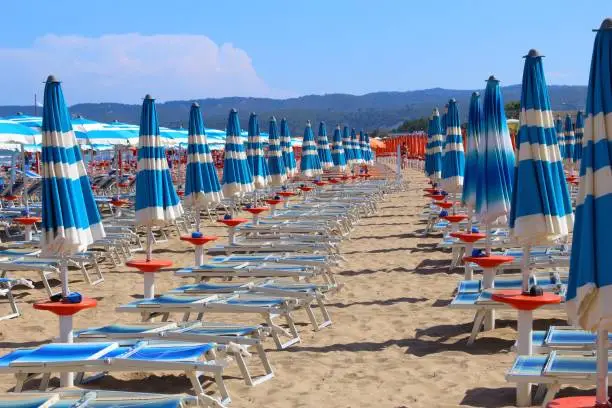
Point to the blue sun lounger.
(246, 270)
(107, 357)
(226, 336)
(563, 338)
(268, 307)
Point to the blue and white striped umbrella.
(495, 159)
(237, 178)
(26, 120)
(453, 160)
(287, 146)
(255, 155)
(443, 127)
(14, 132)
(276, 164)
(310, 165)
(560, 135)
(474, 132)
(338, 155)
(570, 141)
(578, 134)
(202, 186)
(370, 153)
(590, 280)
(358, 158)
(541, 210)
(157, 203)
(70, 218)
(364, 143)
(323, 148)
(348, 146)
(434, 147)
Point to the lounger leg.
(478, 319)
(553, 389)
(44, 382)
(243, 369)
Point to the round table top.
(233, 222)
(62, 308)
(286, 193)
(444, 204)
(180, 193)
(517, 300)
(319, 183)
(11, 197)
(469, 237)
(455, 217)
(436, 197)
(123, 185)
(204, 239)
(491, 261)
(576, 402)
(256, 210)
(273, 201)
(119, 203)
(306, 188)
(27, 220)
(333, 181)
(153, 265)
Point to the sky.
(119, 50)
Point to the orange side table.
(286, 196)
(231, 225)
(256, 211)
(149, 268)
(198, 243)
(27, 222)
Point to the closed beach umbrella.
(255, 154)
(202, 186)
(443, 126)
(474, 131)
(590, 279)
(323, 148)
(358, 158)
(578, 135)
(338, 155)
(541, 210)
(348, 146)
(157, 203)
(436, 140)
(287, 146)
(570, 141)
(369, 152)
(453, 160)
(364, 146)
(495, 159)
(560, 135)
(237, 178)
(276, 164)
(310, 165)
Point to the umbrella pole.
(525, 268)
(149, 278)
(149, 243)
(602, 367)
(488, 239)
(65, 324)
(198, 212)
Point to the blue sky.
(117, 50)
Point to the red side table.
(272, 202)
(256, 211)
(319, 183)
(119, 204)
(198, 243)
(11, 197)
(444, 204)
(576, 402)
(333, 180)
(306, 189)
(286, 196)
(525, 305)
(231, 225)
(27, 222)
(437, 197)
(468, 238)
(489, 265)
(149, 269)
(65, 311)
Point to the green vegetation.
(414, 125)
(513, 108)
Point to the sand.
(394, 341)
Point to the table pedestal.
(231, 224)
(469, 238)
(273, 203)
(286, 196)
(28, 223)
(256, 211)
(198, 243)
(149, 268)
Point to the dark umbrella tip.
(272, 118)
(606, 24)
(475, 94)
(195, 105)
(51, 79)
(233, 110)
(492, 78)
(452, 100)
(533, 53)
(148, 96)
(284, 119)
(253, 114)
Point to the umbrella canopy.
(286, 145)
(443, 126)
(453, 161)
(310, 165)
(578, 135)
(338, 155)
(70, 218)
(348, 146)
(474, 132)
(156, 200)
(495, 159)
(357, 157)
(323, 150)
(364, 146)
(14, 132)
(237, 178)
(560, 135)
(26, 120)
(202, 186)
(434, 147)
(541, 210)
(276, 164)
(590, 280)
(570, 141)
(255, 154)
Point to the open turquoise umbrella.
(237, 178)
(338, 155)
(348, 146)
(323, 148)
(276, 164)
(590, 279)
(570, 141)
(255, 155)
(288, 154)
(474, 132)
(453, 160)
(435, 142)
(310, 166)
(579, 132)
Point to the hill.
(370, 111)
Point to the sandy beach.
(394, 342)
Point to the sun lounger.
(226, 336)
(186, 358)
(563, 338)
(268, 307)
(6, 289)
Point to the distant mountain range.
(384, 110)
